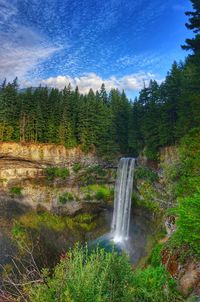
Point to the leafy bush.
(100, 195)
(34, 220)
(67, 196)
(99, 192)
(155, 259)
(76, 167)
(84, 276)
(145, 173)
(189, 151)
(55, 172)
(97, 275)
(188, 222)
(154, 284)
(16, 191)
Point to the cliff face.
(24, 166)
(47, 154)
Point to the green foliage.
(84, 276)
(17, 191)
(188, 222)
(101, 276)
(66, 197)
(93, 174)
(76, 167)
(194, 25)
(100, 195)
(55, 222)
(17, 230)
(96, 170)
(56, 172)
(187, 189)
(99, 192)
(34, 220)
(145, 173)
(154, 284)
(148, 197)
(155, 259)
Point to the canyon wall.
(23, 173)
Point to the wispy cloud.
(7, 11)
(144, 60)
(132, 82)
(22, 48)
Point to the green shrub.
(86, 217)
(100, 195)
(145, 173)
(189, 151)
(99, 276)
(34, 220)
(154, 285)
(188, 222)
(66, 197)
(76, 167)
(55, 172)
(156, 257)
(16, 191)
(99, 192)
(84, 277)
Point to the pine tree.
(194, 25)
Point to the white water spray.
(122, 201)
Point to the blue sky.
(86, 42)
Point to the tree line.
(109, 122)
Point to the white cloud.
(132, 82)
(22, 48)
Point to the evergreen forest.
(108, 121)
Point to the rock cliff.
(24, 174)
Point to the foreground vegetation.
(95, 275)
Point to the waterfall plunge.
(122, 201)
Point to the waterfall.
(122, 199)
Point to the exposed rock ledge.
(45, 153)
(23, 165)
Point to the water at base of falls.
(122, 202)
(118, 239)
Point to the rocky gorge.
(64, 195)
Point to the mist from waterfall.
(122, 200)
